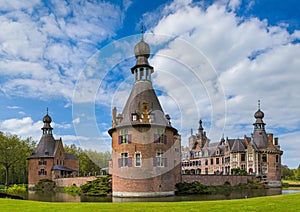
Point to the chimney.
(114, 116)
(270, 138)
(276, 141)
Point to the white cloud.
(46, 45)
(24, 127)
(253, 60)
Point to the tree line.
(15, 151)
(290, 174)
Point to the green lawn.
(287, 202)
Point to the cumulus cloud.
(253, 60)
(44, 45)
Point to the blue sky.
(212, 59)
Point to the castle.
(145, 146)
(48, 160)
(258, 155)
(146, 149)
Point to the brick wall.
(78, 181)
(217, 179)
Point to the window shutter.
(130, 162)
(39, 172)
(45, 172)
(119, 162)
(120, 139)
(165, 139)
(154, 161)
(129, 139)
(165, 162)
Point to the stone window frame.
(124, 137)
(124, 160)
(42, 161)
(160, 137)
(135, 159)
(159, 160)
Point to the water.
(241, 194)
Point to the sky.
(212, 60)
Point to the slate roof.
(46, 147)
(141, 92)
(239, 145)
(62, 168)
(70, 157)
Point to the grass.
(287, 202)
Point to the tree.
(13, 155)
(89, 161)
(287, 173)
(297, 173)
(10, 152)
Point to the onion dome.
(142, 49)
(259, 114)
(47, 119)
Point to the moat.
(236, 194)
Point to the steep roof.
(143, 92)
(45, 148)
(238, 145)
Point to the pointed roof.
(47, 145)
(238, 146)
(142, 101)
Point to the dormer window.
(134, 117)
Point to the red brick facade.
(49, 160)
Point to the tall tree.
(13, 155)
(11, 151)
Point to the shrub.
(99, 187)
(17, 189)
(192, 188)
(45, 185)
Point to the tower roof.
(142, 106)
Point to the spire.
(47, 129)
(142, 30)
(142, 70)
(259, 115)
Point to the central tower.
(145, 146)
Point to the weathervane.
(142, 31)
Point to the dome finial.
(258, 104)
(47, 110)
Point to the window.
(250, 157)
(134, 117)
(243, 157)
(277, 158)
(243, 166)
(159, 160)
(234, 157)
(137, 159)
(264, 158)
(42, 162)
(124, 159)
(211, 161)
(124, 138)
(217, 160)
(206, 162)
(152, 117)
(42, 172)
(160, 137)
